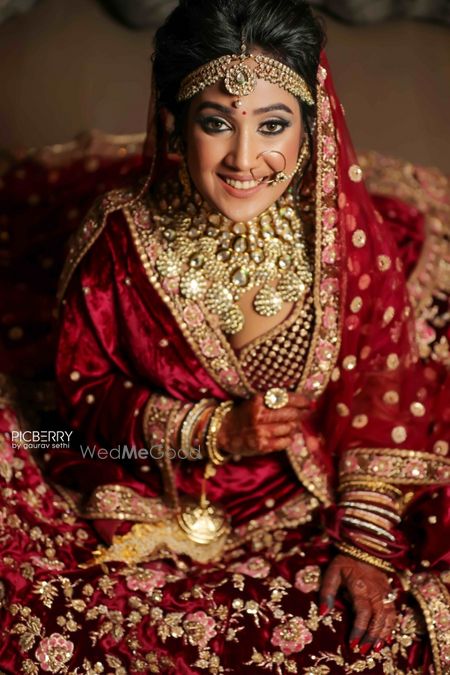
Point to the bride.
(238, 327)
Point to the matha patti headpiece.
(240, 79)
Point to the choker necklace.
(214, 260)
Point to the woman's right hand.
(251, 428)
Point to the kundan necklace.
(216, 261)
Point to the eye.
(273, 127)
(214, 125)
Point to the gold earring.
(185, 179)
(281, 176)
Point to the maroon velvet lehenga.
(375, 373)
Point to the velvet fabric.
(254, 609)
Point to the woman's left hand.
(372, 597)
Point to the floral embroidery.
(407, 467)
(307, 580)
(146, 580)
(54, 652)
(291, 636)
(253, 567)
(199, 628)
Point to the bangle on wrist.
(215, 455)
(190, 422)
(358, 554)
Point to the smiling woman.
(244, 314)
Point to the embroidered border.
(325, 343)
(434, 600)
(428, 190)
(198, 326)
(404, 467)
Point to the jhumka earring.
(185, 179)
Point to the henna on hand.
(251, 428)
(369, 590)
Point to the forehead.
(264, 95)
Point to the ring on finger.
(390, 598)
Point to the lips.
(241, 188)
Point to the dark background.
(67, 66)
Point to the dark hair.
(198, 31)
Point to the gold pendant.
(267, 302)
(203, 523)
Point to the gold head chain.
(240, 78)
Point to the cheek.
(201, 156)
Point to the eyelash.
(208, 122)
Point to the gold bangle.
(190, 421)
(370, 486)
(354, 552)
(214, 454)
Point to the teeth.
(242, 185)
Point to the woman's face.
(230, 149)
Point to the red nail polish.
(365, 648)
(323, 608)
(390, 640)
(378, 645)
(354, 643)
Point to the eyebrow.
(227, 111)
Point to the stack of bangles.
(369, 517)
(195, 432)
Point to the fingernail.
(378, 645)
(365, 648)
(390, 640)
(323, 609)
(354, 644)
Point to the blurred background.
(68, 66)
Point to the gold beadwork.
(213, 259)
(354, 552)
(240, 78)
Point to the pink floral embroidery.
(425, 332)
(442, 620)
(307, 580)
(329, 147)
(315, 382)
(330, 218)
(415, 469)
(211, 347)
(54, 652)
(253, 567)
(229, 376)
(383, 466)
(330, 318)
(200, 628)
(146, 580)
(324, 352)
(329, 183)
(193, 315)
(329, 286)
(442, 473)
(171, 285)
(291, 636)
(109, 500)
(329, 255)
(321, 75)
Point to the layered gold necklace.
(216, 261)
